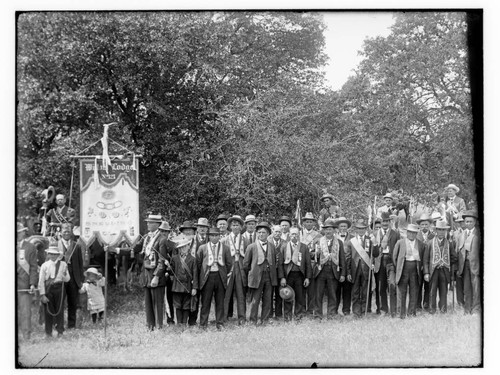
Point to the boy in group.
(53, 274)
(214, 261)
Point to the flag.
(298, 215)
(106, 161)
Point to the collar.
(263, 243)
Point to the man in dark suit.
(386, 239)
(408, 258)
(424, 235)
(343, 293)
(27, 279)
(279, 244)
(439, 261)
(71, 253)
(298, 272)
(214, 262)
(330, 269)
(469, 263)
(362, 256)
(61, 214)
(263, 272)
(153, 275)
(168, 247)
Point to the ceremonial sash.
(147, 247)
(194, 245)
(468, 242)
(59, 216)
(236, 250)
(385, 240)
(218, 255)
(437, 258)
(325, 253)
(307, 238)
(413, 249)
(185, 266)
(364, 255)
(69, 251)
(21, 261)
(293, 256)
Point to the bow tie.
(342, 235)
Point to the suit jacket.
(373, 251)
(399, 257)
(305, 261)
(391, 243)
(204, 269)
(473, 255)
(428, 256)
(246, 235)
(159, 270)
(74, 261)
(227, 241)
(254, 270)
(341, 270)
(430, 236)
(280, 248)
(184, 281)
(67, 213)
(25, 280)
(458, 202)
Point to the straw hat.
(250, 218)
(53, 249)
(442, 224)
(202, 222)
(435, 216)
(342, 219)
(93, 271)
(287, 293)
(330, 223)
(412, 228)
(424, 217)
(326, 196)
(164, 226)
(452, 186)
(235, 218)
(388, 195)
(154, 218)
(360, 224)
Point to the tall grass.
(374, 341)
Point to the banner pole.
(106, 248)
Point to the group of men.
(244, 264)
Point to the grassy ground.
(427, 340)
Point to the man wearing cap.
(455, 205)
(439, 261)
(358, 271)
(385, 241)
(343, 293)
(407, 257)
(330, 268)
(285, 223)
(250, 223)
(424, 235)
(279, 244)
(221, 223)
(330, 211)
(469, 263)
(71, 253)
(168, 247)
(214, 262)
(53, 274)
(27, 279)
(387, 208)
(298, 272)
(62, 213)
(152, 277)
(263, 272)
(309, 237)
(237, 282)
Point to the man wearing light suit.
(469, 263)
(408, 258)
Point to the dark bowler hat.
(221, 217)
(469, 213)
(386, 216)
(342, 219)
(330, 223)
(285, 218)
(187, 225)
(287, 293)
(360, 224)
(263, 224)
(214, 232)
(308, 216)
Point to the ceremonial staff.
(371, 257)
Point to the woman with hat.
(237, 282)
(263, 272)
(53, 274)
(439, 260)
(94, 282)
(408, 256)
(214, 262)
(27, 279)
(469, 264)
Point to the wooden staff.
(371, 258)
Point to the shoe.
(241, 321)
(220, 326)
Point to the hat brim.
(193, 228)
(357, 226)
(420, 220)
(266, 227)
(290, 296)
(231, 219)
(349, 224)
(152, 221)
(326, 197)
(464, 216)
(289, 221)
(202, 225)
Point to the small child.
(93, 287)
(185, 281)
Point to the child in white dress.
(95, 298)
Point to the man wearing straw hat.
(279, 245)
(237, 279)
(53, 274)
(330, 211)
(263, 273)
(362, 254)
(250, 223)
(330, 269)
(27, 279)
(214, 262)
(439, 261)
(152, 277)
(455, 205)
(343, 293)
(469, 263)
(309, 236)
(424, 235)
(408, 256)
(387, 208)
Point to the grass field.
(427, 340)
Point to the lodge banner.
(109, 204)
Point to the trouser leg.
(356, 295)
(467, 287)
(219, 301)
(459, 286)
(24, 300)
(443, 290)
(391, 283)
(254, 304)
(240, 294)
(311, 296)
(433, 287)
(320, 290)
(148, 302)
(73, 299)
(331, 287)
(170, 299)
(158, 303)
(206, 297)
(414, 283)
(383, 286)
(267, 297)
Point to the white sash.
(413, 249)
(361, 252)
(293, 256)
(234, 249)
(218, 255)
